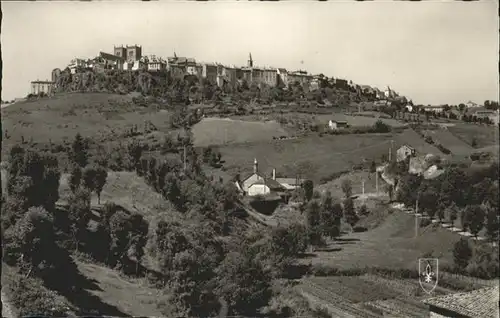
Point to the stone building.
(130, 53)
(38, 87)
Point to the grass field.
(131, 192)
(392, 244)
(356, 179)
(219, 131)
(359, 121)
(484, 135)
(412, 138)
(115, 290)
(317, 157)
(60, 117)
(456, 145)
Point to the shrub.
(425, 222)
(31, 298)
(381, 127)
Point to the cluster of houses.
(131, 58)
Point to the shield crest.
(428, 270)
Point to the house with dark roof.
(480, 303)
(258, 184)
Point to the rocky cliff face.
(108, 81)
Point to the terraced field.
(369, 296)
(399, 307)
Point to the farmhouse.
(335, 124)
(404, 152)
(479, 303)
(257, 184)
(491, 114)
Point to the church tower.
(250, 60)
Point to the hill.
(56, 119)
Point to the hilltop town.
(175, 188)
(130, 58)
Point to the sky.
(433, 52)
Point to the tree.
(243, 283)
(75, 178)
(476, 215)
(428, 199)
(452, 213)
(79, 151)
(308, 189)
(34, 240)
(79, 214)
(464, 218)
(88, 178)
(390, 191)
(349, 212)
(373, 167)
(363, 210)
(138, 237)
(331, 215)
(134, 153)
(492, 224)
(119, 224)
(347, 188)
(462, 254)
(313, 216)
(15, 165)
(101, 175)
(381, 127)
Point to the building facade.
(300, 77)
(111, 61)
(209, 72)
(39, 87)
(133, 52)
(155, 64)
(404, 152)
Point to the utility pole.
(416, 218)
(390, 150)
(184, 159)
(363, 186)
(376, 181)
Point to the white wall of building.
(257, 189)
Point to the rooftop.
(479, 303)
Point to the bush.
(425, 222)
(359, 229)
(381, 127)
(31, 298)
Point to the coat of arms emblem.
(428, 273)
